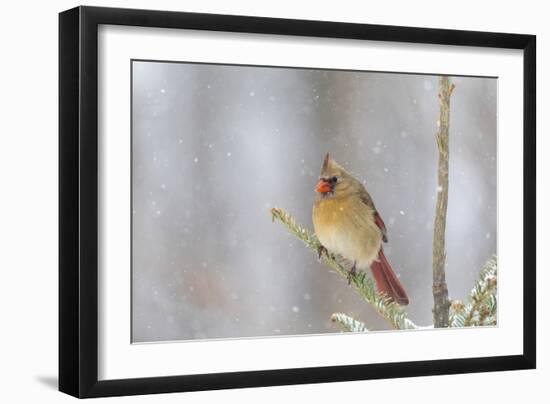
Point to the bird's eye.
(334, 179)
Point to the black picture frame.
(78, 201)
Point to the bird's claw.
(351, 273)
(320, 250)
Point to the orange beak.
(323, 187)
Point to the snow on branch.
(348, 323)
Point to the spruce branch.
(362, 284)
(456, 313)
(481, 308)
(440, 292)
(348, 323)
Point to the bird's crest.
(325, 163)
(331, 167)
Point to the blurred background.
(216, 146)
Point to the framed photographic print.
(251, 201)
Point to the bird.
(347, 223)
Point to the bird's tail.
(386, 280)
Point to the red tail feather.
(386, 280)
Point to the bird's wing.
(380, 223)
(367, 200)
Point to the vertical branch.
(440, 292)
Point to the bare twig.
(440, 292)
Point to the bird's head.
(334, 180)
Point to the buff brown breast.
(347, 223)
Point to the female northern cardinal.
(346, 222)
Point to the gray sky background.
(215, 147)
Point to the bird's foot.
(351, 273)
(320, 250)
